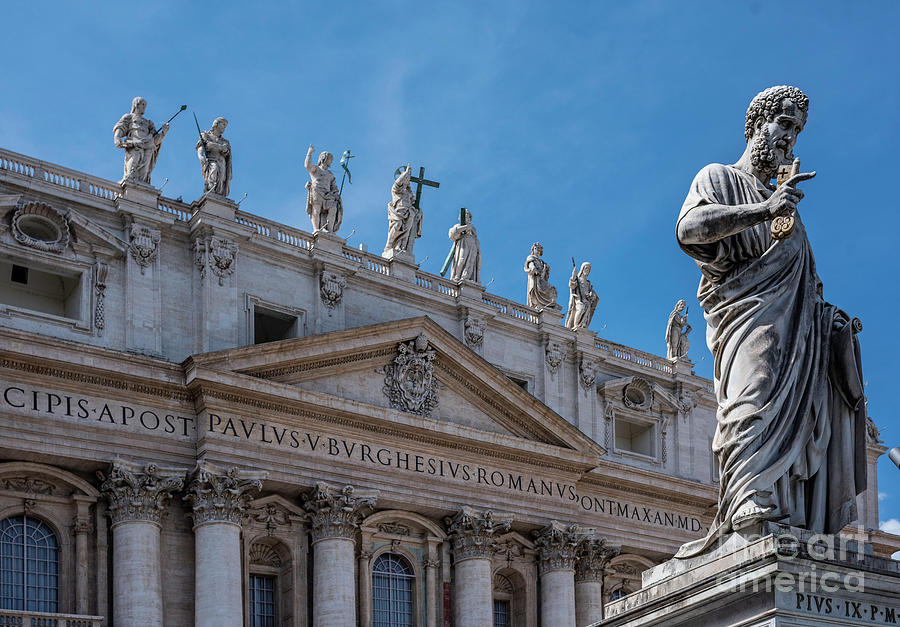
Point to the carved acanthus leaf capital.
(472, 533)
(336, 512)
(139, 491)
(556, 545)
(592, 556)
(219, 494)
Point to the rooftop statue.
(214, 152)
(540, 294)
(790, 441)
(466, 251)
(404, 218)
(677, 330)
(582, 298)
(141, 141)
(323, 200)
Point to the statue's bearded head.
(585, 270)
(326, 159)
(219, 125)
(536, 249)
(774, 119)
(680, 305)
(138, 105)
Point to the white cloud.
(892, 525)
(882, 496)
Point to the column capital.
(592, 556)
(221, 494)
(139, 491)
(472, 533)
(556, 545)
(335, 512)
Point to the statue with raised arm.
(214, 152)
(323, 199)
(466, 251)
(677, 330)
(790, 441)
(404, 218)
(141, 141)
(582, 298)
(539, 294)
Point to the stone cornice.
(220, 494)
(473, 533)
(667, 489)
(139, 492)
(336, 512)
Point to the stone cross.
(420, 181)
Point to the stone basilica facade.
(212, 419)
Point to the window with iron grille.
(501, 613)
(392, 591)
(262, 600)
(29, 565)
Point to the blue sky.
(579, 124)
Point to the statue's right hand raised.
(311, 149)
(784, 199)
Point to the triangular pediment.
(362, 366)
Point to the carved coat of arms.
(409, 381)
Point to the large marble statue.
(466, 252)
(582, 299)
(790, 440)
(214, 152)
(323, 199)
(540, 294)
(141, 141)
(677, 330)
(404, 218)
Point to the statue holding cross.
(404, 211)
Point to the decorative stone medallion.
(638, 394)
(409, 381)
(587, 372)
(554, 356)
(144, 245)
(216, 255)
(331, 288)
(40, 226)
(474, 331)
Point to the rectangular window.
(635, 437)
(262, 600)
(271, 326)
(51, 292)
(501, 613)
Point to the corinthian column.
(472, 542)
(592, 556)
(137, 496)
(219, 497)
(556, 544)
(334, 518)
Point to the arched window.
(392, 591)
(618, 594)
(29, 565)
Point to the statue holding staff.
(214, 152)
(539, 293)
(466, 250)
(790, 440)
(582, 298)
(677, 330)
(323, 199)
(141, 141)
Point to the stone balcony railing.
(17, 618)
(107, 191)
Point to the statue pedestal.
(142, 200)
(215, 205)
(551, 317)
(403, 265)
(767, 575)
(328, 242)
(470, 290)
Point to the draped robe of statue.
(404, 218)
(539, 292)
(466, 254)
(677, 342)
(581, 309)
(217, 167)
(144, 143)
(787, 372)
